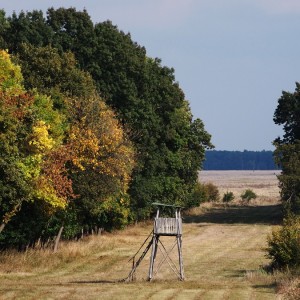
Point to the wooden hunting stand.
(163, 226)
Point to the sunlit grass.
(223, 253)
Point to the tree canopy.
(121, 118)
(287, 152)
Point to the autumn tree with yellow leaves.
(26, 144)
(77, 151)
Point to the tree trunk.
(9, 215)
(2, 227)
(56, 242)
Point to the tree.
(287, 153)
(144, 94)
(104, 159)
(288, 157)
(287, 114)
(4, 26)
(29, 27)
(101, 154)
(26, 146)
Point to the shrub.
(203, 192)
(228, 196)
(248, 195)
(284, 244)
(212, 192)
(197, 196)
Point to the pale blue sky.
(232, 58)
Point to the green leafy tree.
(29, 27)
(287, 153)
(145, 95)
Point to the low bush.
(212, 192)
(284, 244)
(203, 192)
(228, 197)
(197, 196)
(247, 195)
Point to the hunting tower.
(167, 226)
(167, 222)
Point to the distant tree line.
(239, 160)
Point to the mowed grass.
(223, 252)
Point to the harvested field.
(223, 252)
(263, 183)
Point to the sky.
(232, 58)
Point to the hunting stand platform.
(163, 226)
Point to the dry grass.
(263, 183)
(222, 249)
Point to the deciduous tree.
(26, 144)
(287, 153)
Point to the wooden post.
(56, 242)
(179, 246)
(153, 255)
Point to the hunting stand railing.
(163, 226)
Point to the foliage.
(10, 76)
(288, 156)
(248, 195)
(115, 212)
(287, 153)
(144, 94)
(102, 164)
(99, 155)
(142, 143)
(26, 145)
(228, 197)
(212, 192)
(203, 192)
(284, 244)
(287, 114)
(198, 195)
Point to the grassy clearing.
(222, 250)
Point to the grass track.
(222, 252)
(223, 255)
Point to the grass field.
(263, 183)
(223, 252)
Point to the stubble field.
(223, 253)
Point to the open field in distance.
(263, 183)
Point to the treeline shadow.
(270, 214)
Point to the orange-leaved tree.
(103, 159)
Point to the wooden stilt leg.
(153, 255)
(179, 245)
